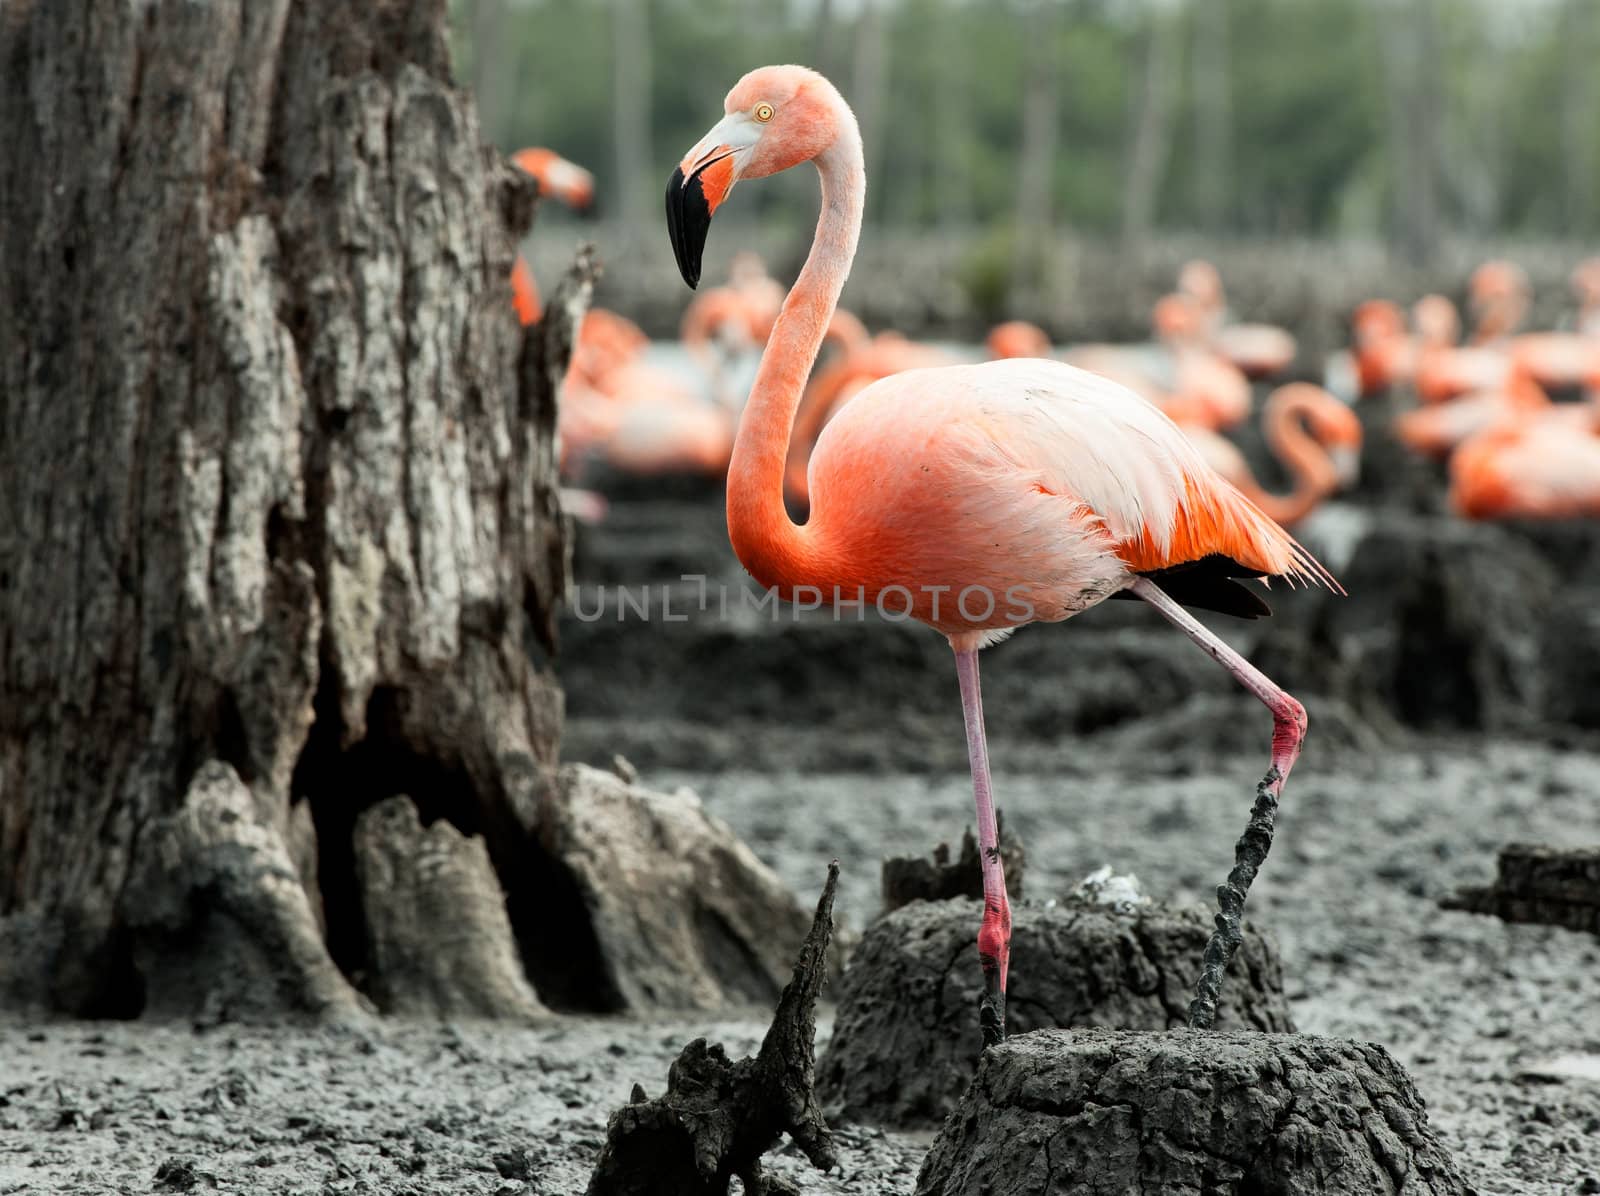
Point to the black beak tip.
(688, 220)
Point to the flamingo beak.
(700, 183)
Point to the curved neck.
(1302, 456)
(768, 543)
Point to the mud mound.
(905, 1040)
(1104, 1111)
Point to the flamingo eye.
(763, 112)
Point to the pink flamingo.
(1314, 435)
(1185, 378)
(1384, 352)
(1566, 360)
(1544, 465)
(563, 180)
(1436, 430)
(1259, 350)
(976, 498)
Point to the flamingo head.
(1017, 338)
(1200, 281)
(1437, 321)
(1377, 320)
(774, 118)
(1586, 282)
(1175, 318)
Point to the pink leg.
(994, 938)
(1288, 733)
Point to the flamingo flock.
(1490, 408)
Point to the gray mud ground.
(1472, 1007)
(831, 742)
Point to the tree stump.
(279, 505)
(917, 878)
(1108, 1112)
(1549, 885)
(650, 903)
(440, 940)
(905, 1038)
(717, 1118)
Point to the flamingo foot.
(994, 953)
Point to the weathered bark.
(905, 1038)
(717, 1118)
(440, 940)
(649, 903)
(1550, 885)
(276, 477)
(1184, 1114)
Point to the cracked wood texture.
(905, 1038)
(273, 453)
(1107, 1113)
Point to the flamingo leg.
(994, 937)
(1288, 733)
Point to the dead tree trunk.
(277, 515)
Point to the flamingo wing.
(1035, 462)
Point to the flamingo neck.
(768, 543)
(1302, 455)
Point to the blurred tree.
(869, 81)
(1410, 47)
(630, 107)
(1213, 113)
(1150, 137)
(1041, 105)
(1580, 115)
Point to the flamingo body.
(1547, 467)
(1021, 477)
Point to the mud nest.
(906, 1043)
(1097, 1112)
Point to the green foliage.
(1308, 131)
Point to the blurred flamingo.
(1436, 430)
(1384, 352)
(1259, 350)
(1586, 288)
(862, 361)
(1566, 360)
(1017, 338)
(565, 181)
(1183, 375)
(1544, 465)
(1445, 369)
(1315, 436)
(727, 321)
(1036, 487)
